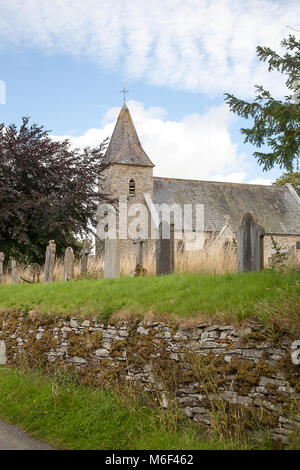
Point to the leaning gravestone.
(112, 258)
(50, 261)
(85, 256)
(250, 248)
(165, 250)
(1, 264)
(69, 264)
(14, 274)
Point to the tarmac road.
(13, 438)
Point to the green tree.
(292, 177)
(276, 123)
(48, 191)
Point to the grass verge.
(70, 416)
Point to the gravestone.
(172, 247)
(1, 264)
(250, 248)
(139, 251)
(139, 259)
(112, 258)
(165, 250)
(85, 256)
(14, 274)
(25, 279)
(69, 264)
(50, 261)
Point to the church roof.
(125, 147)
(277, 208)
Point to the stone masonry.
(288, 242)
(248, 370)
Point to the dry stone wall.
(198, 365)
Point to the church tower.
(130, 170)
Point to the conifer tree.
(276, 122)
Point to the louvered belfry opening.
(132, 187)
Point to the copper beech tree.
(48, 190)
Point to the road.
(13, 438)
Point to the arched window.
(132, 187)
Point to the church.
(129, 173)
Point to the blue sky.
(64, 62)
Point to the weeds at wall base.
(230, 424)
(168, 419)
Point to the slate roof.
(277, 208)
(125, 147)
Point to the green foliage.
(279, 259)
(185, 295)
(292, 177)
(48, 191)
(71, 416)
(276, 122)
(109, 309)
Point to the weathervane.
(124, 91)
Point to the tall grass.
(211, 260)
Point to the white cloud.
(265, 181)
(197, 147)
(198, 45)
(234, 177)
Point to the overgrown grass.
(70, 416)
(213, 259)
(185, 295)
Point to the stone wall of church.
(143, 179)
(120, 176)
(116, 182)
(288, 242)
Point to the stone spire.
(124, 147)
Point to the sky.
(64, 62)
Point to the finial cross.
(124, 91)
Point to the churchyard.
(214, 281)
(200, 349)
(244, 253)
(208, 261)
